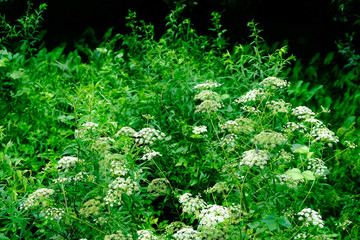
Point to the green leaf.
(308, 175)
(302, 149)
(294, 173)
(253, 225)
(225, 96)
(284, 221)
(270, 221)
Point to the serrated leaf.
(294, 173)
(253, 225)
(298, 148)
(284, 221)
(308, 175)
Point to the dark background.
(307, 25)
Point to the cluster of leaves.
(115, 148)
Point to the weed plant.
(176, 138)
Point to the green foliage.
(152, 139)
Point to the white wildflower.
(254, 157)
(146, 235)
(148, 136)
(127, 131)
(208, 106)
(274, 83)
(36, 198)
(302, 112)
(324, 135)
(207, 85)
(278, 106)
(212, 215)
(251, 96)
(317, 166)
(118, 187)
(186, 234)
(191, 205)
(207, 95)
(65, 163)
(310, 216)
(199, 129)
(53, 213)
(149, 156)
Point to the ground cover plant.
(170, 138)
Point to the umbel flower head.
(254, 157)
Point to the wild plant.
(171, 139)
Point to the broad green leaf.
(308, 175)
(302, 149)
(294, 173)
(284, 221)
(270, 221)
(253, 225)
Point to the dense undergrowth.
(176, 138)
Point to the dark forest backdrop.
(309, 26)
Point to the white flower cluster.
(212, 215)
(239, 125)
(85, 128)
(269, 139)
(293, 127)
(199, 129)
(284, 179)
(344, 224)
(118, 187)
(65, 163)
(146, 235)
(274, 83)
(301, 236)
(127, 131)
(191, 205)
(149, 156)
(254, 157)
(148, 136)
(278, 106)
(302, 112)
(311, 217)
(37, 197)
(324, 135)
(207, 95)
(350, 144)
(53, 213)
(318, 167)
(103, 143)
(208, 106)
(79, 177)
(251, 96)
(118, 168)
(186, 234)
(209, 84)
(251, 109)
(229, 140)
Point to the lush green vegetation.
(172, 138)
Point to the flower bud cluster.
(66, 163)
(36, 198)
(310, 216)
(254, 157)
(191, 205)
(252, 96)
(278, 106)
(85, 129)
(318, 167)
(239, 125)
(149, 156)
(209, 84)
(118, 187)
(302, 112)
(207, 95)
(274, 83)
(229, 141)
(199, 129)
(208, 106)
(284, 179)
(146, 235)
(212, 215)
(148, 136)
(269, 139)
(53, 213)
(186, 234)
